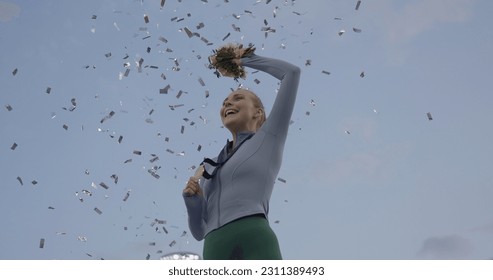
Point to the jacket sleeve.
(195, 207)
(279, 118)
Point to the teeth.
(230, 111)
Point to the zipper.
(218, 197)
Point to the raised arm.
(280, 116)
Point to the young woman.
(229, 205)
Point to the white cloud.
(8, 11)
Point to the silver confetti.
(189, 33)
(362, 75)
(98, 211)
(341, 32)
(111, 114)
(13, 146)
(226, 37)
(48, 90)
(136, 152)
(173, 243)
(41, 243)
(126, 196)
(146, 19)
(164, 90)
(115, 178)
(357, 5)
(9, 108)
(326, 72)
(102, 184)
(430, 118)
(281, 180)
(201, 82)
(357, 30)
(14, 72)
(20, 180)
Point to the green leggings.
(248, 238)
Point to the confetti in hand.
(227, 60)
(199, 172)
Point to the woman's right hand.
(192, 188)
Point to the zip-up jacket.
(243, 185)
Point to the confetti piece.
(136, 152)
(226, 37)
(82, 238)
(120, 139)
(357, 5)
(103, 185)
(13, 146)
(51, 208)
(9, 108)
(115, 178)
(162, 39)
(98, 211)
(48, 90)
(146, 19)
(162, 3)
(86, 192)
(341, 32)
(182, 129)
(430, 118)
(116, 26)
(41, 243)
(34, 182)
(14, 72)
(347, 131)
(20, 181)
(199, 148)
(164, 90)
(281, 180)
(111, 114)
(127, 195)
(148, 257)
(189, 33)
(173, 243)
(108, 55)
(128, 160)
(65, 127)
(201, 82)
(165, 230)
(357, 30)
(326, 72)
(362, 75)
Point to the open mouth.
(230, 112)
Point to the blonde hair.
(259, 105)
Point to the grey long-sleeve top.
(244, 184)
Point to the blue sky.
(367, 174)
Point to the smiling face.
(241, 111)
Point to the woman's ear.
(259, 113)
